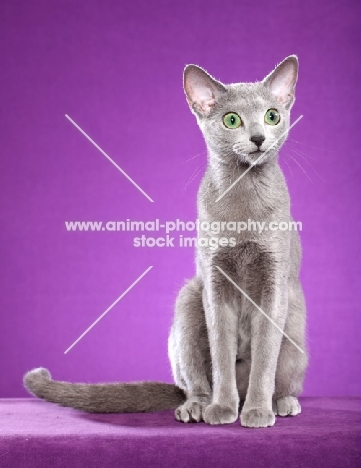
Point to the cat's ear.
(201, 89)
(282, 81)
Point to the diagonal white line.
(108, 157)
(258, 307)
(256, 161)
(108, 309)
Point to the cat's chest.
(238, 208)
(249, 199)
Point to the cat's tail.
(135, 397)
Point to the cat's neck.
(224, 170)
(259, 189)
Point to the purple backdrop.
(116, 69)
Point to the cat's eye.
(232, 120)
(272, 117)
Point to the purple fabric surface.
(115, 67)
(38, 434)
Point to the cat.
(223, 350)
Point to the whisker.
(194, 175)
(301, 167)
(310, 146)
(193, 157)
(305, 154)
(289, 167)
(308, 162)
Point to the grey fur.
(222, 349)
(104, 398)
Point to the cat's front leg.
(222, 320)
(266, 340)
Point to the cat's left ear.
(201, 89)
(282, 81)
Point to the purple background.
(116, 69)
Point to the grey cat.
(222, 349)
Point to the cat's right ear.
(282, 81)
(201, 89)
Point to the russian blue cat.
(225, 354)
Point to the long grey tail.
(138, 397)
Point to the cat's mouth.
(257, 152)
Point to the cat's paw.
(257, 417)
(190, 411)
(287, 406)
(220, 414)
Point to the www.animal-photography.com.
(180, 234)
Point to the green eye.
(272, 117)
(232, 120)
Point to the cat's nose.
(258, 139)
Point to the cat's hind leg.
(188, 350)
(292, 360)
(287, 406)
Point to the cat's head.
(243, 120)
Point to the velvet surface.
(115, 67)
(39, 434)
